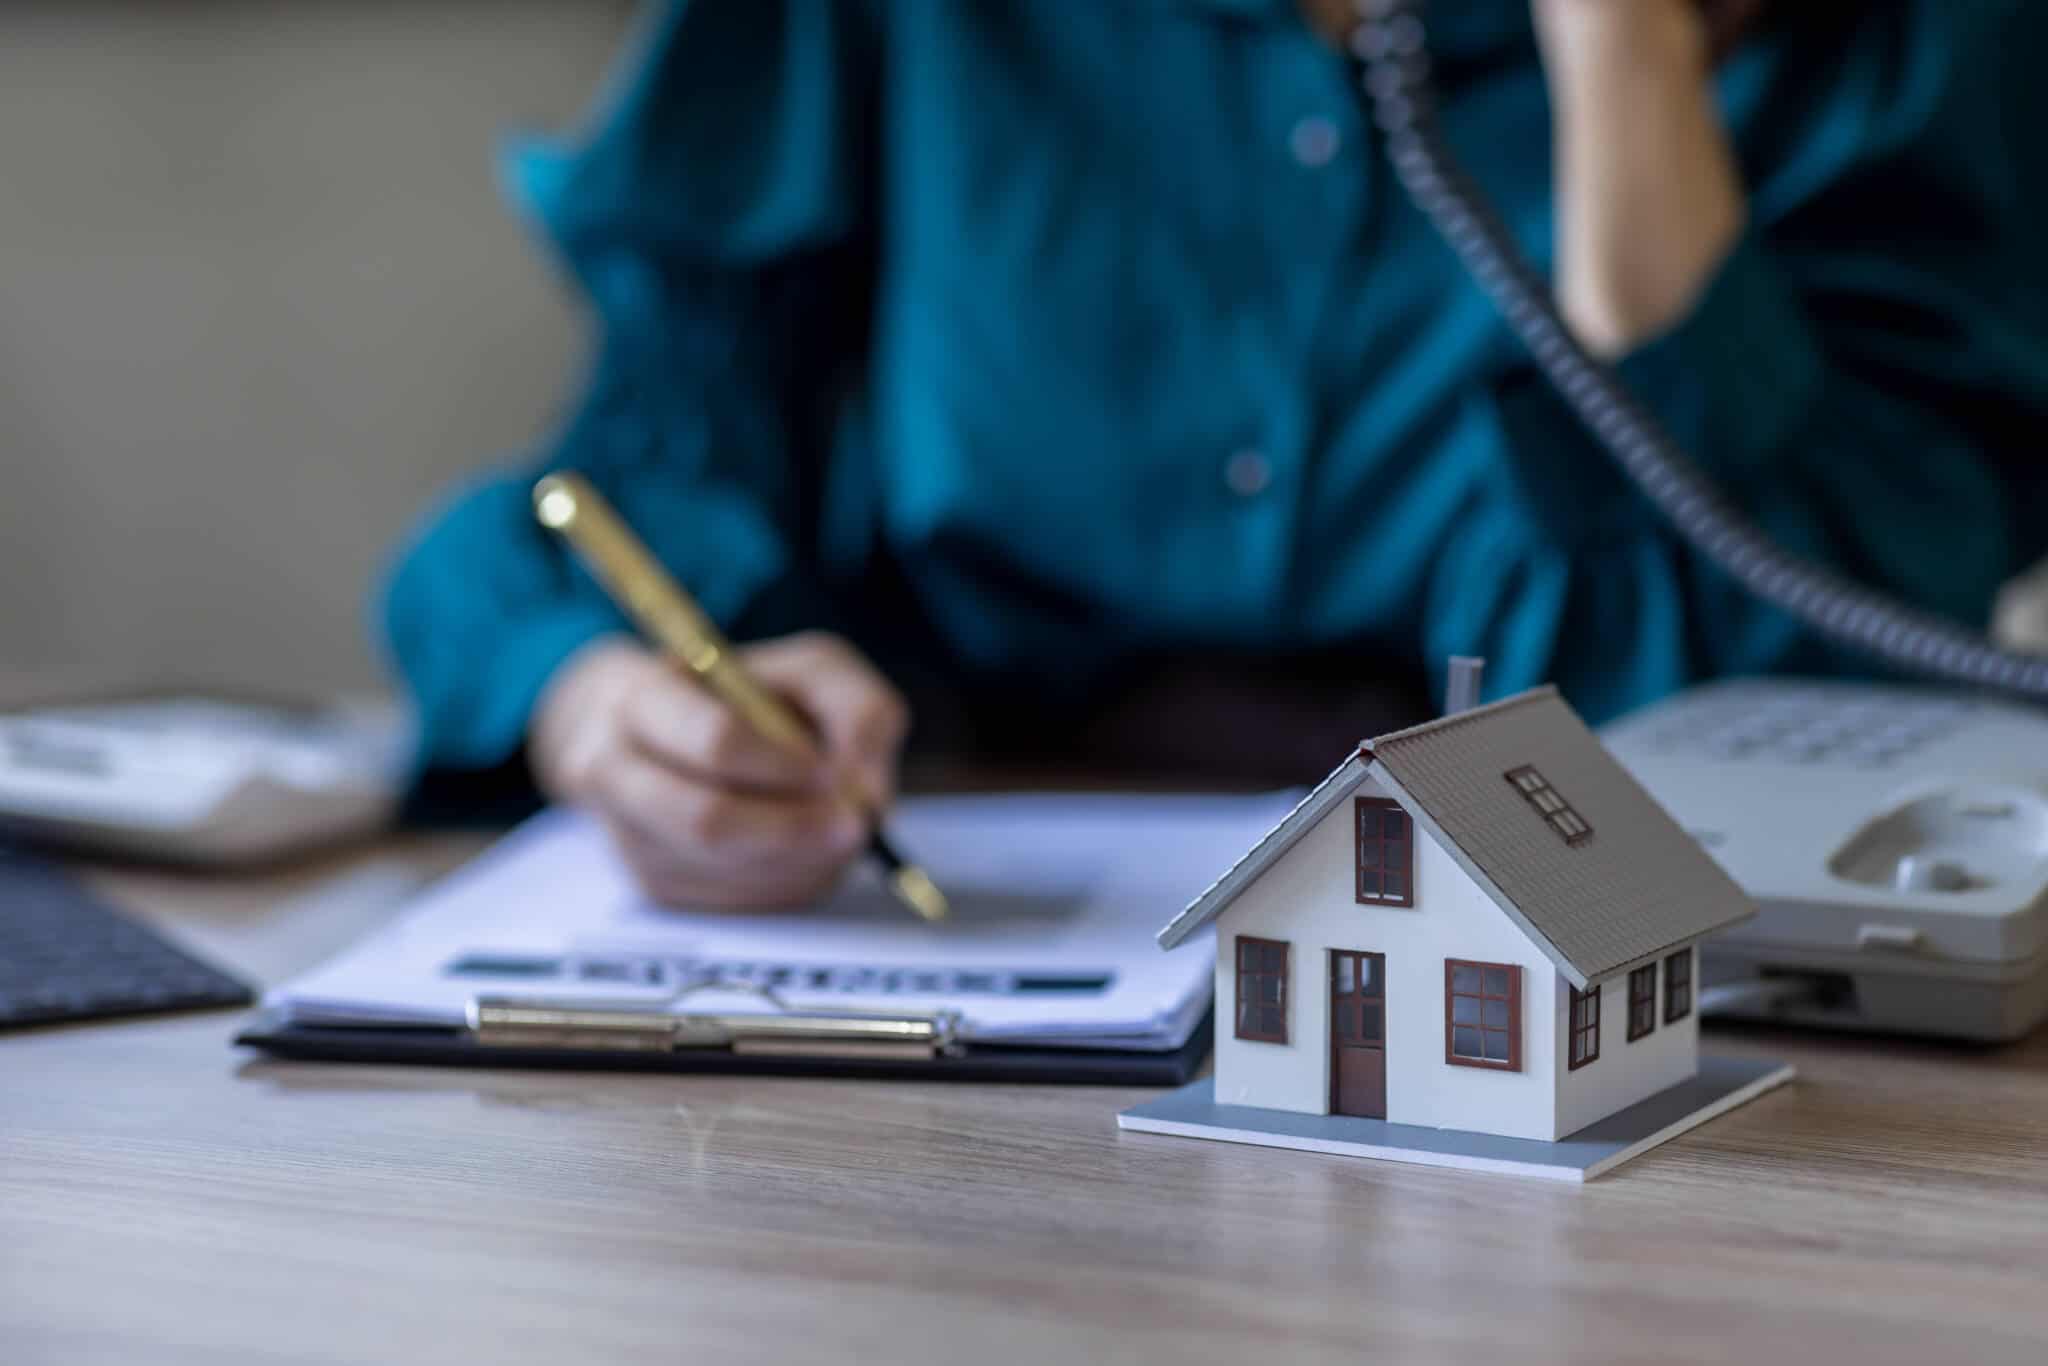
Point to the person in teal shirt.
(1029, 344)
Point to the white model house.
(1480, 924)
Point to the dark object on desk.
(1212, 721)
(67, 955)
(1169, 721)
(975, 1062)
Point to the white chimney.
(1461, 691)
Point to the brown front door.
(1358, 1034)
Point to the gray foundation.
(1722, 1084)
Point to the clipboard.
(541, 953)
(513, 1033)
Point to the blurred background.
(259, 299)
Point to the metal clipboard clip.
(526, 1022)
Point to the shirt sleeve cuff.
(1732, 382)
(476, 629)
(469, 763)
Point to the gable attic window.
(1385, 854)
(1557, 813)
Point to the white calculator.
(1894, 839)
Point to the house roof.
(1638, 886)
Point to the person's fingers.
(675, 878)
(658, 850)
(721, 824)
(703, 811)
(574, 730)
(684, 726)
(860, 715)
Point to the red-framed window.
(1584, 1026)
(1642, 1001)
(1261, 989)
(1483, 1015)
(1678, 986)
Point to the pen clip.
(542, 1023)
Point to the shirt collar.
(1461, 28)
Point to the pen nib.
(917, 891)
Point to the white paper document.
(1056, 900)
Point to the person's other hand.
(705, 811)
(1724, 22)
(1650, 199)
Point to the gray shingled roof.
(1637, 887)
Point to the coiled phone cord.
(1391, 47)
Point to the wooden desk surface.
(164, 1198)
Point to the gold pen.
(567, 505)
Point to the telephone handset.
(1389, 41)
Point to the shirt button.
(1315, 141)
(1248, 473)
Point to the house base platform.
(1722, 1084)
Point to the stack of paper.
(1056, 900)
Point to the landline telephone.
(1896, 840)
(200, 779)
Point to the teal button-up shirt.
(1105, 328)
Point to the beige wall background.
(258, 299)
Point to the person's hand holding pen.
(705, 810)
(704, 814)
